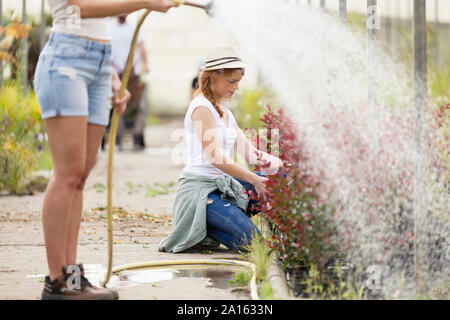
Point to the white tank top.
(197, 163)
(66, 19)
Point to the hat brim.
(230, 65)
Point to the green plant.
(266, 291)
(158, 189)
(20, 126)
(258, 252)
(241, 280)
(322, 285)
(99, 187)
(131, 187)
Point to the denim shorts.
(73, 77)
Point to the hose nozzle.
(207, 7)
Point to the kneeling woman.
(212, 205)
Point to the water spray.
(111, 141)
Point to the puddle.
(218, 276)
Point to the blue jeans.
(228, 224)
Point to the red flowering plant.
(343, 193)
(304, 231)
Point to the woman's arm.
(254, 156)
(102, 8)
(245, 148)
(205, 127)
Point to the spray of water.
(362, 154)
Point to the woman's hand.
(260, 186)
(275, 163)
(119, 103)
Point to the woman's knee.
(72, 177)
(85, 175)
(82, 181)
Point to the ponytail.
(204, 87)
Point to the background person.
(194, 82)
(73, 83)
(134, 118)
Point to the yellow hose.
(111, 143)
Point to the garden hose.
(111, 141)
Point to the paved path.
(144, 190)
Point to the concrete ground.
(143, 194)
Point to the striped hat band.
(221, 61)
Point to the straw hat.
(222, 58)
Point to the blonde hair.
(204, 86)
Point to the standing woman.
(211, 205)
(74, 82)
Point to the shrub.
(306, 230)
(20, 126)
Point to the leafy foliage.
(306, 230)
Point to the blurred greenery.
(20, 129)
(153, 120)
(44, 158)
(251, 106)
(440, 83)
(439, 78)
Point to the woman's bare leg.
(67, 140)
(94, 139)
